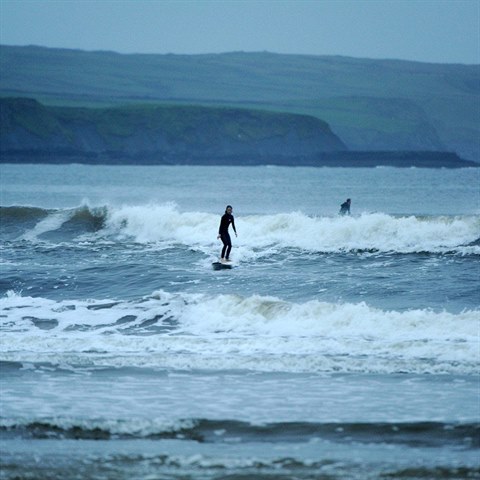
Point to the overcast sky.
(443, 31)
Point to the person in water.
(345, 207)
(225, 222)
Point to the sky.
(434, 31)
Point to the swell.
(31, 223)
(413, 434)
(19, 213)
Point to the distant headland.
(188, 135)
(184, 135)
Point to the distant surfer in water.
(345, 207)
(225, 222)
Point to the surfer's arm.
(220, 228)
(233, 226)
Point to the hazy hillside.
(157, 134)
(193, 135)
(369, 104)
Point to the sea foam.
(165, 224)
(181, 331)
(376, 231)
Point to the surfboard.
(222, 266)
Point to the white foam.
(51, 223)
(164, 226)
(376, 231)
(233, 332)
(139, 427)
(156, 223)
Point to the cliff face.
(33, 133)
(156, 134)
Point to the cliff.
(156, 134)
(189, 135)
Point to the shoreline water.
(343, 159)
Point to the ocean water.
(336, 348)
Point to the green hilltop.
(384, 105)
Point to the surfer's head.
(228, 209)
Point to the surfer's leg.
(227, 245)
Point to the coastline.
(347, 159)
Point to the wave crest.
(166, 224)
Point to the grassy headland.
(154, 134)
(157, 134)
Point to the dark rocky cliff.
(157, 134)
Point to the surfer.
(225, 222)
(345, 207)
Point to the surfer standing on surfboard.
(225, 222)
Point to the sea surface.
(338, 347)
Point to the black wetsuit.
(345, 208)
(225, 222)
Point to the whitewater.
(337, 346)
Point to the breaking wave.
(197, 331)
(166, 224)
